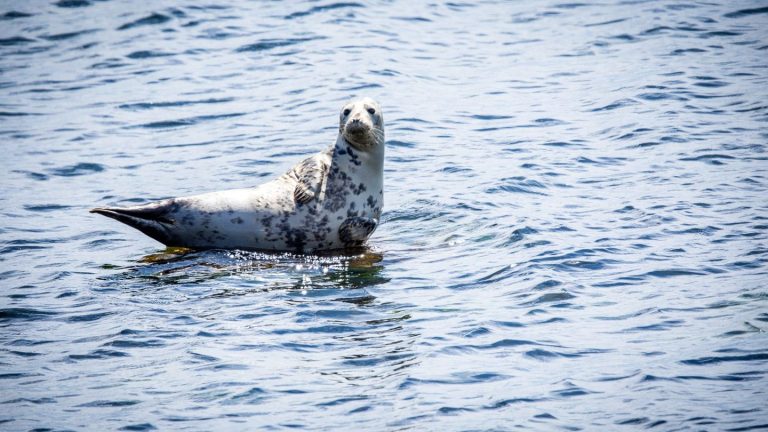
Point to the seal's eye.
(346, 112)
(371, 111)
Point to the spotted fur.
(331, 200)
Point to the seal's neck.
(346, 156)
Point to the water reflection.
(349, 269)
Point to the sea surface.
(575, 232)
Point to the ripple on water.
(11, 15)
(139, 106)
(269, 44)
(138, 427)
(559, 233)
(152, 19)
(519, 184)
(324, 8)
(78, 169)
(68, 35)
(747, 12)
(15, 40)
(72, 3)
(148, 54)
(167, 124)
(24, 314)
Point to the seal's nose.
(356, 127)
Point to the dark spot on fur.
(351, 212)
(295, 238)
(360, 189)
(267, 221)
(188, 219)
(353, 156)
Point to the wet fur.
(331, 200)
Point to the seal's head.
(362, 124)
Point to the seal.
(332, 200)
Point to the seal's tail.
(151, 219)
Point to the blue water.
(575, 232)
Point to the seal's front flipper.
(310, 174)
(355, 230)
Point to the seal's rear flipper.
(151, 219)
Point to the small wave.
(66, 36)
(152, 105)
(504, 403)
(453, 410)
(683, 51)
(21, 245)
(609, 22)
(503, 343)
(745, 376)
(25, 353)
(145, 54)
(519, 185)
(108, 404)
(130, 343)
(79, 169)
(153, 19)
(747, 12)
(412, 19)
(16, 40)
(725, 359)
(268, 44)
(138, 427)
(89, 317)
(490, 117)
(547, 355)
(662, 326)
(323, 8)
(17, 114)
(621, 103)
(385, 72)
(379, 359)
(362, 87)
(546, 122)
(717, 34)
(15, 15)
(712, 159)
(551, 298)
(453, 169)
(99, 354)
(660, 96)
(72, 3)
(24, 314)
(46, 207)
(396, 143)
(166, 124)
(17, 375)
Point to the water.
(575, 232)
